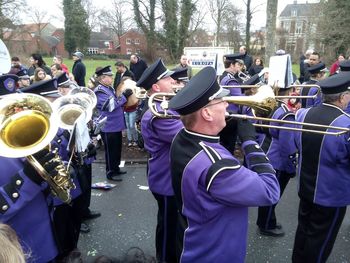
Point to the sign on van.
(200, 57)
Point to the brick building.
(132, 41)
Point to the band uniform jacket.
(115, 118)
(310, 91)
(24, 207)
(158, 134)
(281, 150)
(324, 161)
(214, 192)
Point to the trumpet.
(28, 123)
(243, 76)
(262, 103)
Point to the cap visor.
(223, 93)
(168, 74)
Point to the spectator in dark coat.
(248, 61)
(257, 67)
(304, 63)
(137, 66)
(36, 61)
(79, 69)
(122, 71)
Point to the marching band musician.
(323, 172)
(213, 191)
(111, 106)
(233, 65)
(279, 146)
(23, 199)
(158, 134)
(317, 73)
(66, 217)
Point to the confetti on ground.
(93, 252)
(143, 187)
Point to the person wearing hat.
(213, 190)
(233, 65)
(323, 171)
(8, 84)
(317, 72)
(181, 78)
(184, 64)
(157, 134)
(23, 79)
(79, 69)
(111, 106)
(24, 195)
(122, 71)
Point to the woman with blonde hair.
(11, 250)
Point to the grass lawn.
(91, 65)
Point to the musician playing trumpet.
(158, 134)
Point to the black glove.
(44, 157)
(91, 150)
(127, 93)
(246, 130)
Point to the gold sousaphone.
(27, 125)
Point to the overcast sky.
(258, 21)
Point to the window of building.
(138, 51)
(137, 41)
(294, 12)
(128, 51)
(299, 28)
(286, 25)
(128, 41)
(92, 50)
(106, 44)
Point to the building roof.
(51, 40)
(98, 39)
(304, 9)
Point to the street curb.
(128, 161)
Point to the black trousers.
(317, 230)
(166, 228)
(82, 202)
(266, 214)
(113, 150)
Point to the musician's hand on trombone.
(246, 130)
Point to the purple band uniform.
(158, 135)
(214, 191)
(115, 119)
(28, 214)
(310, 91)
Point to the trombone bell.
(262, 103)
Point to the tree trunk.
(247, 27)
(270, 38)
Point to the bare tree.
(92, 12)
(118, 18)
(232, 26)
(9, 13)
(271, 14)
(39, 18)
(249, 15)
(217, 9)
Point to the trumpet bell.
(87, 93)
(28, 124)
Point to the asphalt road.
(129, 218)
